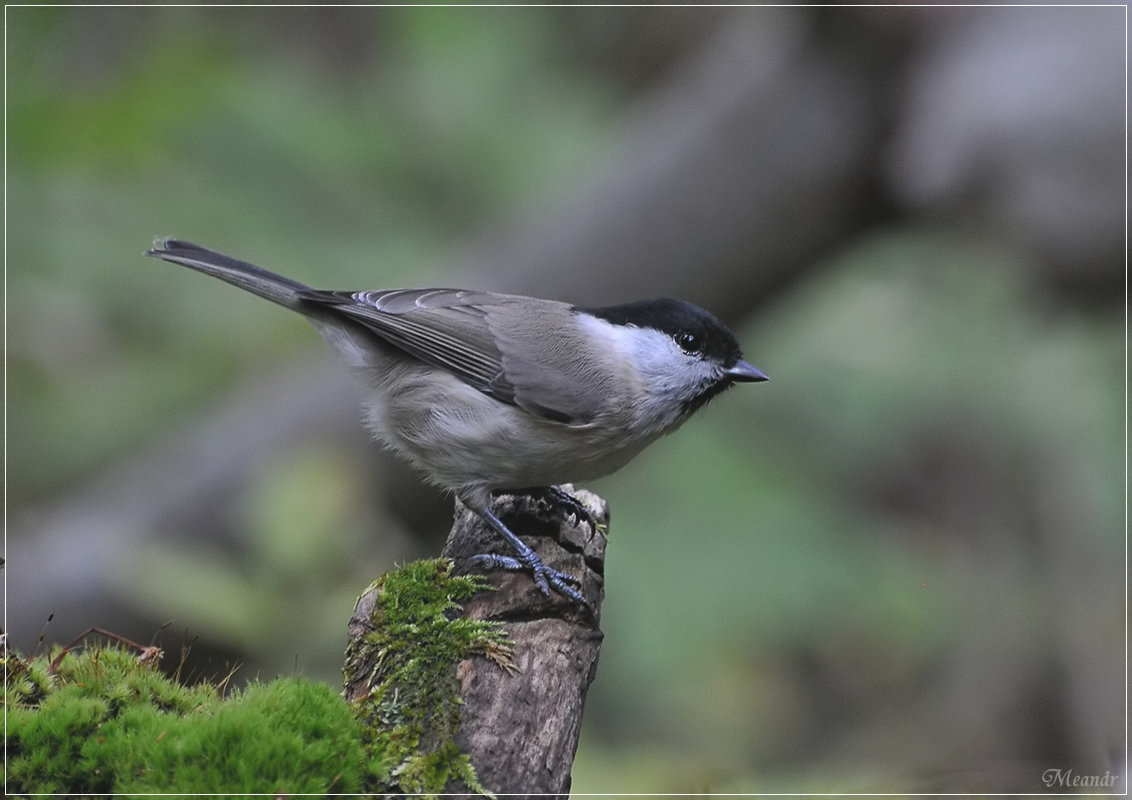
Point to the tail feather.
(249, 277)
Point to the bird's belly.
(469, 438)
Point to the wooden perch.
(519, 716)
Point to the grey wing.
(454, 329)
(446, 328)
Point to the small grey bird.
(486, 392)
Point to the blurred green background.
(896, 567)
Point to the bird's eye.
(689, 342)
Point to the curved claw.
(556, 496)
(564, 584)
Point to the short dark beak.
(744, 372)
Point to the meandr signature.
(1068, 779)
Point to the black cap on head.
(676, 317)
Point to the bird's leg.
(526, 559)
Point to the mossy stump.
(475, 684)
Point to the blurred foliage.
(304, 555)
(793, 580)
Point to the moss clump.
(26, 683)
(409, 658)
(105, 722)
(102, 720)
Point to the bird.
(485, 392)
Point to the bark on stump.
(520, 727)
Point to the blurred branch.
(65, 554)
(729, 182)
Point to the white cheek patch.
(616, 340)
(652, 352)
(667, 376)
(661, 360)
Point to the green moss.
(288, 737)
(103, 720)
(408, 660)
(107, 723)
(51, 726)
(26, 683)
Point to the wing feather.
(447, 328)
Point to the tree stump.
(519, 725)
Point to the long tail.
(249, 277)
